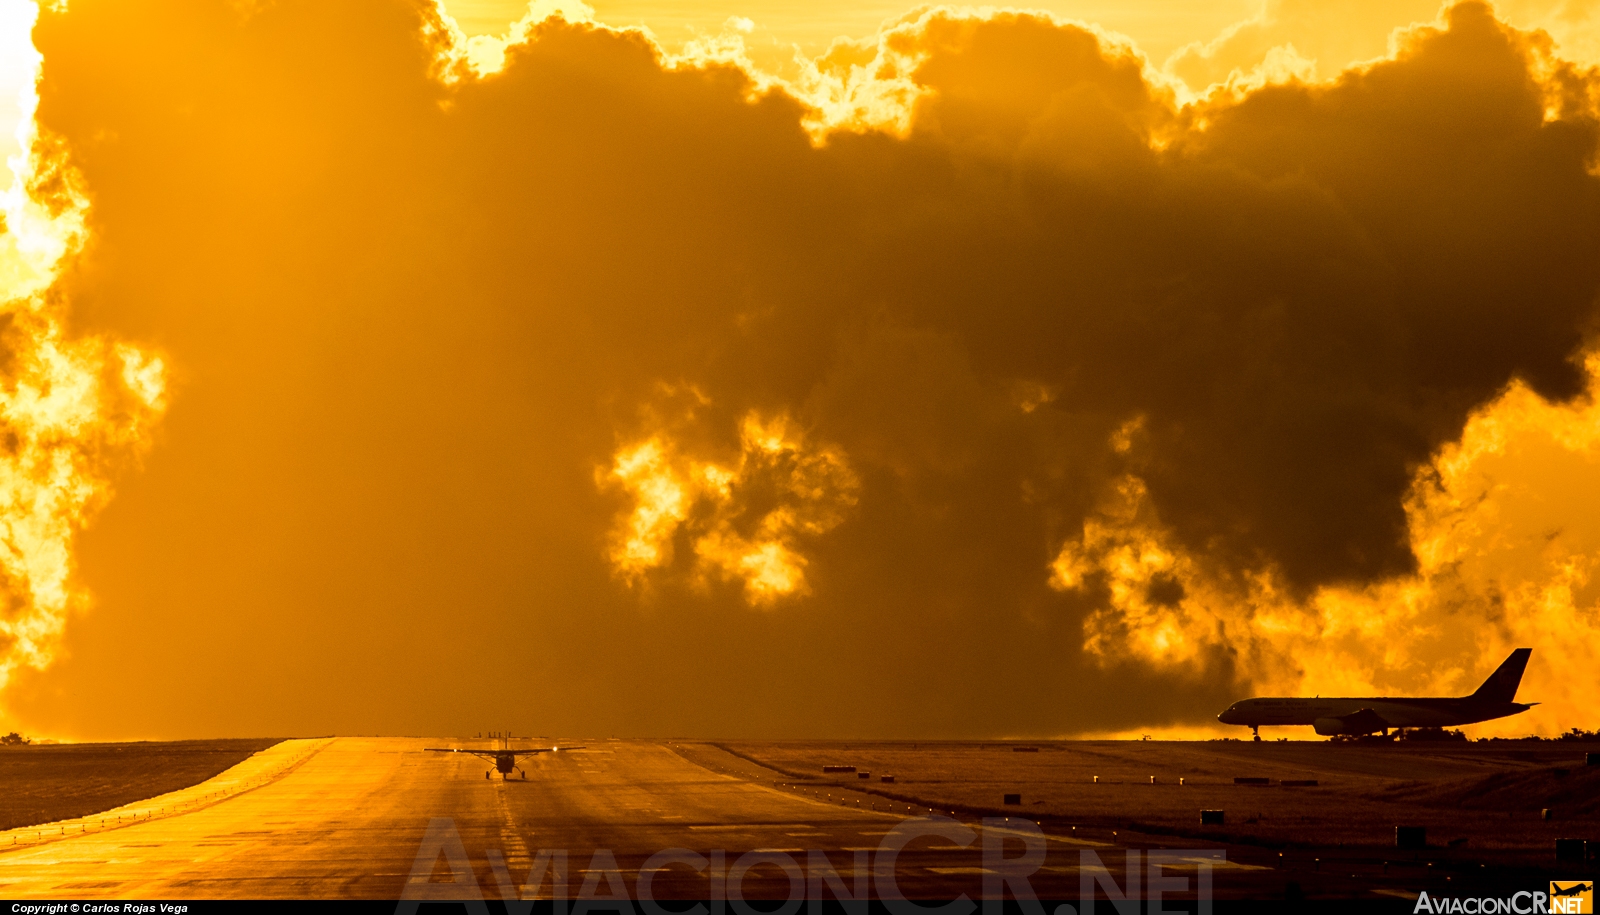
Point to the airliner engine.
(1365, 721)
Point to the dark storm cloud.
(411, 317)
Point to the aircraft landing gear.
(1256, 730)
(485, 775)
(524, 774)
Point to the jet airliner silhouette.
(1356, 716)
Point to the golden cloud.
(745, 521)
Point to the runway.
(347, 817)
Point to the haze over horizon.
(390, 368)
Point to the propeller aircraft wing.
(493, 755)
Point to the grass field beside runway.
(53, 782)
(1487, 799)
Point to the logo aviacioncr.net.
(1566, 897)
(1571, 897)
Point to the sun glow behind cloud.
(837, 58)
(71, 408)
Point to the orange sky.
(962, 373)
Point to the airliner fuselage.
(1394, 712)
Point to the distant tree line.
(14, 739)
(1576, 734)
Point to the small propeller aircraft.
(504, 758)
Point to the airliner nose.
(1228, 716)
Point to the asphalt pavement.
(381, 818)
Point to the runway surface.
(347, 818)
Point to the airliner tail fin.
(1502, 684)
